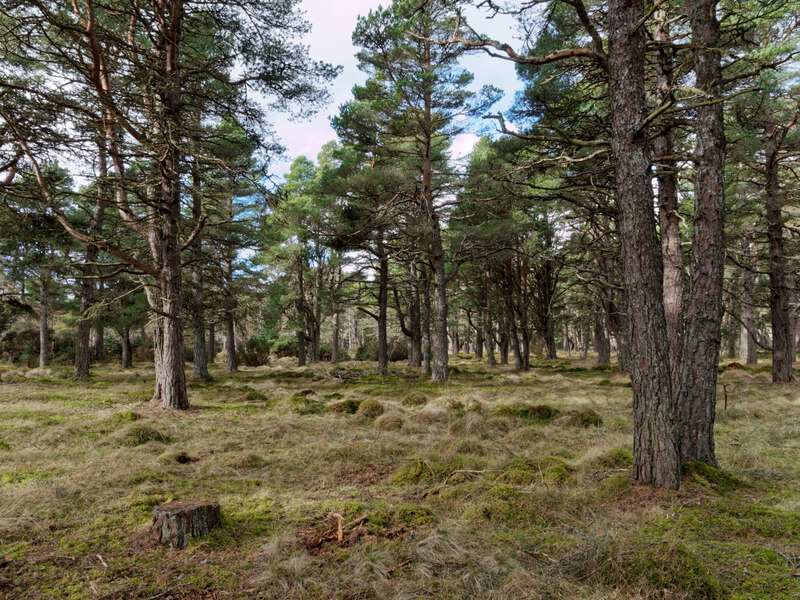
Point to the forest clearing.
(498, 485)
(399, 299)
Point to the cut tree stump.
(175, 522)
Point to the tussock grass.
(499, 485)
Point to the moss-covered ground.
(498, 485)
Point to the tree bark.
(200, 358)
(782, 338)
(666, 171)
(487, 323)
(230, 342)
(426, 323)
(747, 345)
(44, 332)
(211, 352)
(383, 302)
(127, 356)
(656, 457)
(697, 391)
(601, 343)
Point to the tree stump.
(175, 522)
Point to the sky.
(330, 40)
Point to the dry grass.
(464, 497)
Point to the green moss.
(582, 418)
(415, 399)
(22, 477)
(139, 434)
(307, 406)
(420, 470)
(126, 416)
(349, 406)
(708, 475)
(251, 395)
(536, 412)
(618, 458)
(370, 408)
(663, 569)
(389, 422)
(558, 474)
(603, 382)
(414, 515)
(603, 368)
(4, 445)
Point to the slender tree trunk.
(426, 324)
(747, 345)
(301, 315)
(503, 347)
(697, 393)
(200, 362)
(211, 352)
(479, 336)
(550, 338)
(656, 456)
(666, 170)
(487, 324)
(414, 318)
(383, 302)
(230, 342)
(601, 344)
(127, 355)
(82, 336)
(44, 332)
(782, 338)
(335, 337)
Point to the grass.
(498, 485)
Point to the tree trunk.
(335, 337)
(301, 315)
(44, 333)
(200, 358)
(487, 324)
(82, 336)
(747, 345)
(697, 392)
(383, 302)
(669, 219)
(426, 324)
(550, 338)
(230, 342)
(601, 344)
(414, 318)
(212, 343)
(656, 457)
(782, 338)
(127, 356)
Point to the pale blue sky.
(333, 22)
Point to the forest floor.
(498, 485)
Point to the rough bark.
(127, 356)
(174, 523)
(601, 343)
(780, 316)
(426, 323)
(487, 323)
(697, 391)
(383, 302)
(666, 172)
(211, 352)
(655, 450)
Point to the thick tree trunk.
(127, 355)
(697, 392)
(656, 457)
(44, 332)
(550, 338)
(782, 338)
